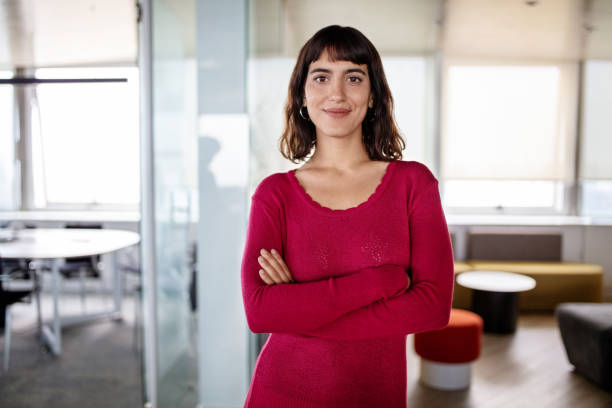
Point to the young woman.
(348, 254)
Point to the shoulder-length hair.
(380, 134)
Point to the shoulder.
(272, 188)
(418, 181)
(416, 173)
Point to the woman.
(348, 254)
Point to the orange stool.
(447, 354)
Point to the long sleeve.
(299, 307)
(426, 305)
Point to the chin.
(336, 131)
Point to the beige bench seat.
(462, 297)
(556, 282)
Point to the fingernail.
(274, 251)
(263, 251)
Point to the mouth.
(337, 112)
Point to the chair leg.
(38, 305)
(137, 318)
(7, 338)
(82, 281)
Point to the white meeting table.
(55, 244)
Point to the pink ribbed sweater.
(338, 334)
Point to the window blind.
(509, 121)
(596, 147)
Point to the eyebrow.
(327, 71)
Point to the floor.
(101, 368)
(526, 369)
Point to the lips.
(337, 112)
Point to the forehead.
(325, 62)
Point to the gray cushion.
(510, 247)
(586, 330)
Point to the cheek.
(311, 93)
(361, 97)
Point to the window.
(411, 82)
(85, 139)
(595, 163)
(508, 133)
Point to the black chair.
(82, 267)
(10, 297)
(21, 266)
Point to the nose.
(336, 90)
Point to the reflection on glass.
(175, 185)
(7, 147)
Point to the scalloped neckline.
(342, 211)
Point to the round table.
(495, 297)
(56, 244)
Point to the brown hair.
(381, 136)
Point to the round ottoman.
(447, 354)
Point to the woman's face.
(337, 95)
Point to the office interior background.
(160, 117)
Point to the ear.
(371, 102)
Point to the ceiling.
(56, 33)
(538, 29)
(64, 33)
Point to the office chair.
(10, 297)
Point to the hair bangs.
(341, 44)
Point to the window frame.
(27, 163)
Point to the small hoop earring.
(302, 113)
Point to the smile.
(337, 112)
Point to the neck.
(342, 153)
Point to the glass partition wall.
(169, 205)
(194, 167)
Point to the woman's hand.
(274, 270)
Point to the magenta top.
(338, 334)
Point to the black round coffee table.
(495, 297)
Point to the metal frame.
(147, 226)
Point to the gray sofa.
(586, 331)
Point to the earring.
(302, 113)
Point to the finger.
(282, 263)
(278, 268)
(270, 270)
(265, 277)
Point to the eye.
(320, 78)
(354, 79)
